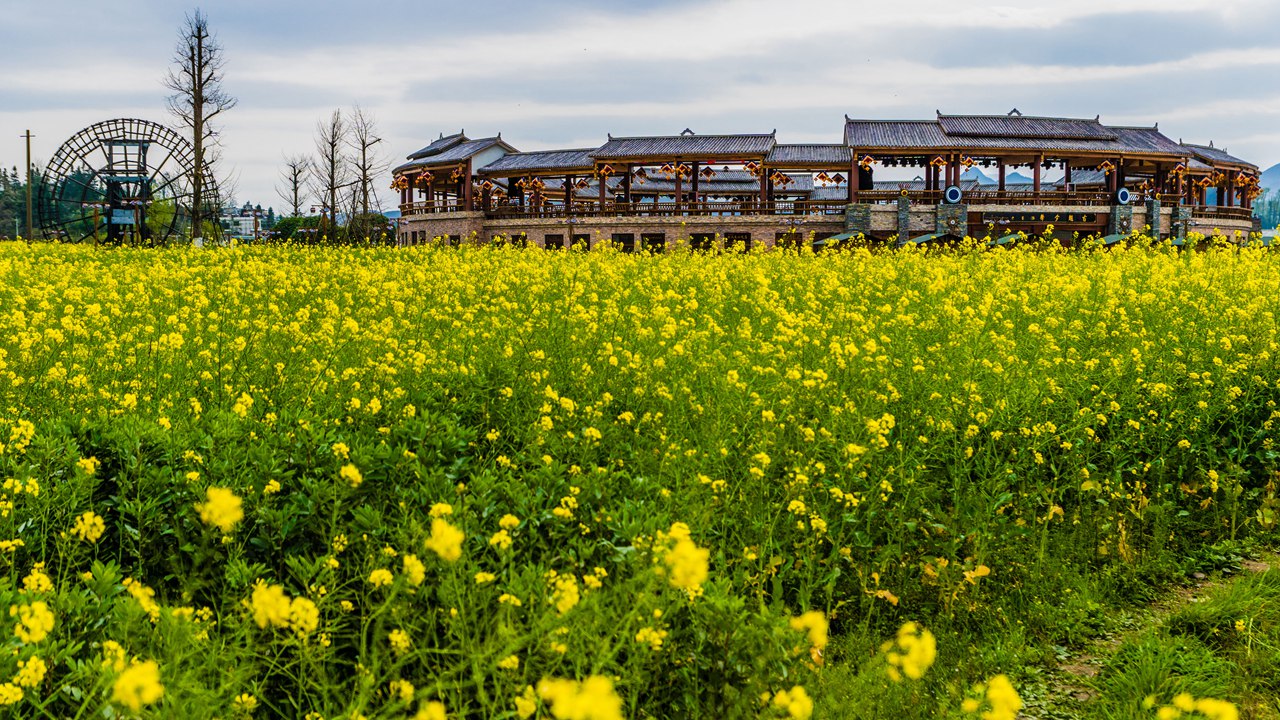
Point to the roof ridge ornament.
(1015, 112)
(687, 131)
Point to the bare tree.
(329, 168)
(198, 98)
(294, 176)
(366, 161)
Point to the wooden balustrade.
(422, 207)
(669, 209)
(1213, 212)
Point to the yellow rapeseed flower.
(796, 702)
(35, 621)
(911, 653)
(433, 710)
(138, 685)
(89, 527)
(414, 571)
(221, 509)
(591, 699)
(351, 474)
(815, 624)
(30, 672)
(445, 541)
(270, 605)
(304, 616)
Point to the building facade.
(750, 190)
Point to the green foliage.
(1003, 446)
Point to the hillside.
(1271, 177)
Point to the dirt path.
(1064, 693)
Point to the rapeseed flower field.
(497, 483)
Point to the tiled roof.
(1147, 139)
(816, 154)
(871, 136)
(543, 160)
(1019, 126)
(442, 144)
(1211, 154)
(866, 134)
(687, 146)
(457, 153)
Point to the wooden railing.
(422, 207)
(1213, 212)
(1044, 197)
(669, 209)
(990, 197)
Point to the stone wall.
(676, 231)
(880, 220)
(465, 226)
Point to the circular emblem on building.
(1123, 196)
(952, 194)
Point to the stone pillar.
(857, 218)
(952, 219)
(904, 218)
(1181, 219)
(1153, 217)
(1121, 220)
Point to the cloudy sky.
(563, 73)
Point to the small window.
(654, 242)
(455, 240)
(702, 241)
(626, 242)
(553, 242)
(582, 241)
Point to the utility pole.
(28, 136)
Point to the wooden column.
(468, 194)
(603, 182)
(1000, 164)
(1112, 180)
(568, 192)
(764, 186)
(854, 179)
(1035, 177)
(1121, 180)
(679, 186)
(486, 200)
(693, 182)
(626, 184)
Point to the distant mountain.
(976, 174)
(1271, 177)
